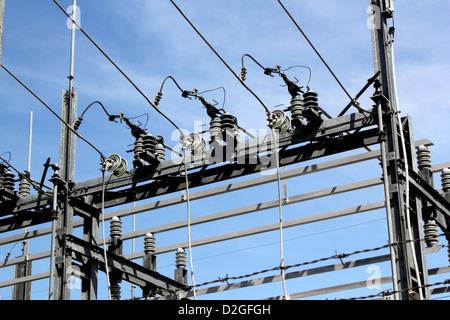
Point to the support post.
(149, 261)
(445, 178)
(429, 212)
(90, 266)
(115, 247)
(65, 217)
(409, 271)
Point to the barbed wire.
(336, 256)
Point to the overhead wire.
(118, 68)
(105, 256)
(220, 58)
(280, 208)
(141, 93)
(24, 176)
(54, 113)
(320, 56)
(301, 264)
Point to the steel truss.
(403, 183)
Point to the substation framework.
(415, 209)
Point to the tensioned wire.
(273, 138)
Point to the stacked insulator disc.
(423, 157)
(160, 152)
(195, 143)
(297, 107)
(116, 227)
(280, 121)
(215, 129)
(116, 164)
(310, 99)
(228, 122)
(445, 178)
(8, 180)
(149, 143)
(24, 188)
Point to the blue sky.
(150, 40)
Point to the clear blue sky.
(150, 40)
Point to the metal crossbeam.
(130, 271)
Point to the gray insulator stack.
(149, 243)
(24, 188)
(115, 291)
(116, 227)
(312, 110)
(180, 263)
(180, 258)
(228, 123)
(8, 180)
(297, 107)
(423, 157)
(116, 248)
(445, 179)
(149, 259)
(215, 129)
(424, 165)
(149, 143)
(160, 152)
(138, 147)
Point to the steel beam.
(129, 271)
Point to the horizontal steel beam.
(235, 186)
(425, 190)
(130, 271)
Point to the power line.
(319, 55)
(118, 68)
(221, 59)
(54, 113)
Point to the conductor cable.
(280, 208)
(105, 256)
(54, 113)
(319, 55)
(221, 59)
(191, 264)
(118, 68)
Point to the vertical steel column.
(90, 266)
(403, 213)
(67, 172)
(65, 217)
